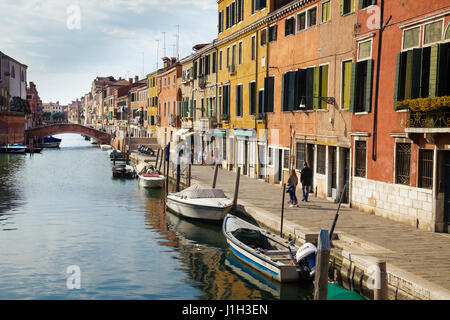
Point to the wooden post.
(162, 160)
(178, 172)
(114, 157)
(216, 170)
(322, 264)
(282, 209)
(168, 167)
(380, 291)
(189, 174)
(157, 158)
(236, 187)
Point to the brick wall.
(12, 128)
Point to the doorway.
(333, 171)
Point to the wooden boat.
(268, 253)
(197, 203)
(105, 147)
(151, 180)
(123, 171)
(13, 148)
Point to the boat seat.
(276, 252)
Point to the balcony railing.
(439, 118)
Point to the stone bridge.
(52, 129)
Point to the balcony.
(232, 69)
(186, 123)
(174, 120)
(427, 114)
(202, 81)
(205, 124)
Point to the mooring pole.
(178, 170)
(282, 209)
(157, 158)
(322, 264)
(168, 167)
(380, 291)
(189, 174)
(236, 187)
(216, 170)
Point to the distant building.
(13, 76)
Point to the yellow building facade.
(243, 37)
(152, 105)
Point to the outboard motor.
(306, 260)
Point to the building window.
(326, 11)
(240, 53)
(312, 17)
(253, 53)
(220, 21)
(214, 62)
(301, 21)
(321, 158)
(300, 156)
(364, 50)
(411, 38)
(347, 6)
(345, 87)
(402, 163)
(286, 159)
(273, 33)
(360, 158)
(289, 25)
(252, 97)
(432, 32)
(269, 94)
(228, 57)
(220, 60)
(258, 5)
(239, 100)
(366, 3)
(361, 86)
(263, 35)
(270, 157)
(425, 169)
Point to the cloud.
(112, 36)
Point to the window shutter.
(316, 88)
(434, 62)
(266, 94)
(208, 107)
(368, 102)
(251, 98)
(408, 75)
(271, 94)
(309, 87)
(324, 85)
(360, 4)
(291, 90)
(341, 7)
(415, 75)
(283, 100)
(444, 69)
(353, 83)
(374, 2)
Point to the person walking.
(306, 180)
(292, 185)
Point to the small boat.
(151, 180)
(28, 149)
(105, 147)
(124, 171)
(268, 253)
(117, 155)
(198, 203)
(13, 148)
(94, 141)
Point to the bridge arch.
(57, 128)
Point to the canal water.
(66, 223)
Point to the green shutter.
(341, 6)
(191, 108)
(360, 4)
(309, 87)
(266, 95)
(316, 88)
(368, 102)
(291, 90)
(208, 107)
(415, 74)
(408, 75)
(283, 100)
(324, 85)
(271, 94)
(444, 69)
(434, 74)
(353, 84)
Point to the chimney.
(130, 80)
(136, 79)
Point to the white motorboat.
(151, 180)
(105, 147)
(268, 253)
(197, 203)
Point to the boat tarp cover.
(252, 238)
(196, 192)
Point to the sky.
(68, 43)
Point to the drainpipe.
(377, 81)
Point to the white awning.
(180, 132)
